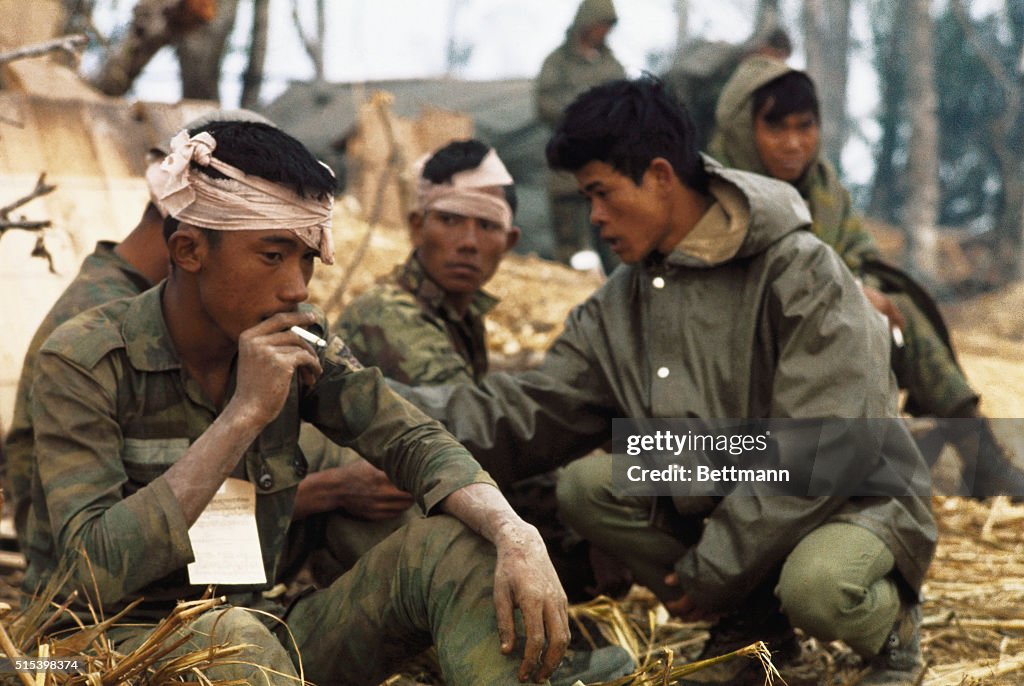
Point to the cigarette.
(897, 336)
(310, 338)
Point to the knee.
(234, 625)
(582, 494)
(815, 597)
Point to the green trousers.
(837, 583)
(935, 384)
(431, 582)
(330, 543)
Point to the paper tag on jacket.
(225, 539)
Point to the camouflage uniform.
(926, 366)
(405, 327)
(104, 276)
(565, 74)
(113, 410)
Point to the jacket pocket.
(147, 458)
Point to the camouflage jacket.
(114, 409)
(104, 276)
(834, 220)
(405, 327)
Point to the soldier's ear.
(416, 228)
(512, 237)
(186, 248)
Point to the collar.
(413, 278)
(147, 340)
(105, 250)
(718, 235)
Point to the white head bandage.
(473, 192)
(240, 202)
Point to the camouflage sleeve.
(130, 541)
(856, 244)
(521, 425)
(392, 332)
(354, 407)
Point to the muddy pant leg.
(430, 581)
(263, 661)
(926, 368)
(620, 525)
(839, 584)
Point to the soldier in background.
(768, 122)
(703, 67)
(581, 62)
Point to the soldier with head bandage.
(239, 201)
(157, 414)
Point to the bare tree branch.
(314, 46)
(71, 45)
(155, 23)
(42, 188)
(252, 80)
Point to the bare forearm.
(195, 478)
(484, 509)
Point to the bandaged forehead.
(238, 203)
(473, 192)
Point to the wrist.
(241, 420)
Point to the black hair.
(270, 153)
(627, 124)
(791, 93)
(460, 156)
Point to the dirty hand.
(884, 305)
(684, 607)
(525, 578)
(359, 488)
(268, 356)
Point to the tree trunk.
(890, 66)
(682, 8)
(155, 23)
(767, 15)
(923, 150)
(314, 45)
(252, 80)
(827, 44)
(201, 52)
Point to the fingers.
(672, 579)
(506, 619)
(282, 321)
(533, 621)
(557, 622)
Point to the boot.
(987, 468)
(899, 661)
